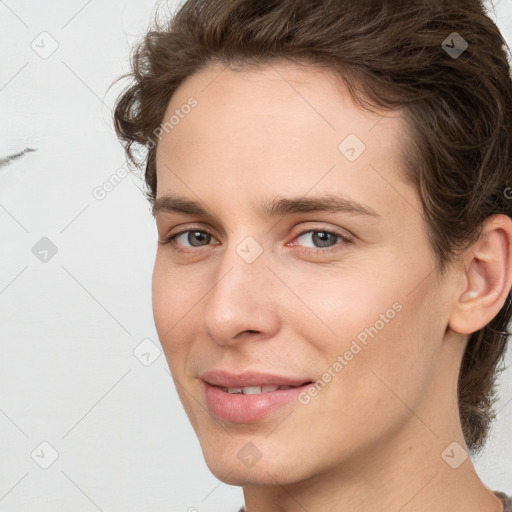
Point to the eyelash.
(179, 249)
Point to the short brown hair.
(391, 54)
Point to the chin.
(239, 462)
(236, 474)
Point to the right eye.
(194, 237)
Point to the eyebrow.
(273, 208)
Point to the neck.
(410, 477)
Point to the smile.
(254, 390)
(250, 404)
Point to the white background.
(68, 327)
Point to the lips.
(249, 397)
(224, 379)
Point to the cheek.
(386, 364)
(163, 300)
(173, 300)
(373, 321)
(347, 304)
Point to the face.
(260, 283)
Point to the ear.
(486, 277)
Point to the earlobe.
(487, 277)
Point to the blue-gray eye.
(321, 238)
(196, 238)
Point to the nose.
(243, 303)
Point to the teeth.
(254, 390)
(251, 390)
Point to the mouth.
(250, 397)
(256, 390)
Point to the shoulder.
(507, 501)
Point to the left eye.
(322, 238)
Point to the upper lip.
(245, 379)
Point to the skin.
(372, 439)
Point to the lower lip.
(242, 408)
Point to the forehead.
(278, 126)
(281, 94)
